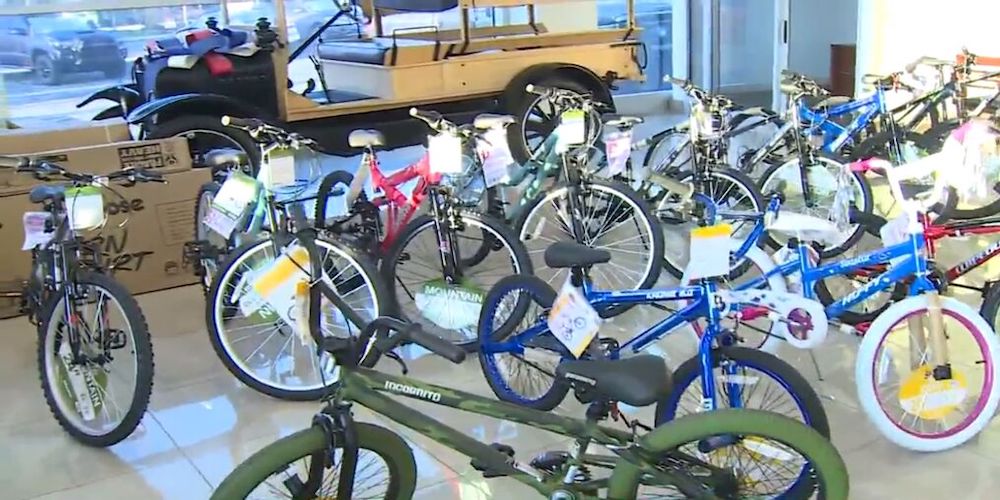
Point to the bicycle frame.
(393, 200)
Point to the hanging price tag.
(573, 320)
(229, 203)
(572, 129)
(279, 285)
(618, 149)
(85, 206)
(444, 151)
(34, 230)
(279, 168)
(712, 245)
(498, 159)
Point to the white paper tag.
(278, 284)
(280, 165)
(618, 149)
(571, 130)
(85, 208)
(229, 203)
(81, 383)
(444, 152)
(34, 230)
(497, 157)
(222, 223)
(573, 320)
(712, 246)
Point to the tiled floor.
(202, 422)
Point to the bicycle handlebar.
(42, 169)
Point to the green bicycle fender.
(824, 456)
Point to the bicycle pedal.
(480, 466)
(550, 461)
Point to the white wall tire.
(864, 371)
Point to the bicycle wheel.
(760, 333)
(218, 245)
(614, 218)
(338, 179)
(262, 349)
(670, 153)
(906, 402)
(418, 289)
(747, 378)
(385, 468)
(735, 454)
(734, 194)
(786, 179)
(100, 399)
(523, 374)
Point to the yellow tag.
(286, 267)
(931, 399)
(571, 130)
(712, 231)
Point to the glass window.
(655, 17)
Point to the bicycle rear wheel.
(99, 399)
(218, 245)
(385, 468)
(733, 454)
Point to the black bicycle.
(95, 356)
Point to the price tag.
(573, 320)
(280, 286)
(34, 230)
(229, 203)
(712, 245)
(921, 395)
(86, 385)
(618, 150)
(571, 130)
(444, 152)
(497, 157)
(85, 206)
(279, 168)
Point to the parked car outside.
(55, 45)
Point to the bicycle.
(696, 456)
(75, 303)
(472, 250)
(251, 320)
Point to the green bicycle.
(703, 455)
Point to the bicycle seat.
(637, 381)
(805, 227)
(487, 121)
(222, 158)
(365, 138)
(620, 120)
(824, 101)
(565, 254)
(45, 192)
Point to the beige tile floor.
(202, 422)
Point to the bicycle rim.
(264, 347)
(110, 387)
(611, 220)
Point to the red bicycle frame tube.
(934, 233)
(393, 199)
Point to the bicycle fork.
(930, 333)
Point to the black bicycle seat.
(622, 121)
(566, 254)
(637, 381)
(224, 158)
(45, 192)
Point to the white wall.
(746, 41)
(893, 33)
(814, 26)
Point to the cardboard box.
(25, 137)
(148, 248)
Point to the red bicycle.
(440, 264)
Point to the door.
(9, 39)
(749, 49)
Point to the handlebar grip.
(244, 123)
(415, 333)
(684, 84)
(144, 175)
(537, 89)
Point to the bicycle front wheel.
(99, 396)
(908, 401)
(733, 454)
(613, 217)
(385, 467)
(260, 345)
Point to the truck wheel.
(535, 115)
(206, 133)
(46, 71)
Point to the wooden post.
(630, 13)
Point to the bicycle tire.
(737, 178)
(501, 234)
(652, 239)
(544, 295)
(828, 466)
(227, 273)
(868, 357)
(991, 306)
(867, 201)
(206, 193)
(277, 456)
(329, 182)
(662, 142)
(143, 354)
